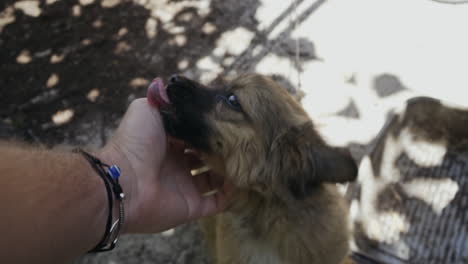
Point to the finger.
(175, 142)
(214, 202)
(175, 145)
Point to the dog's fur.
(286, 208)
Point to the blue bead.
(114, 171)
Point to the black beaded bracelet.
(110, 175)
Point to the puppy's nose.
(174, 78)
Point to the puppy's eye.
(231, 100)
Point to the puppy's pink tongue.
(157, 94)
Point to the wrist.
(112, 155)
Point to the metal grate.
(412, 194)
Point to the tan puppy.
(287, 208)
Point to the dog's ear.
(304, 161)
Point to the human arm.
(52, 204)
(55, 206)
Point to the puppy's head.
(255, 133)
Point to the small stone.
(52, 81)
(138, 82)
(86, 42)
(30, 8)
(24, 57)
(63, 117)
(86, 2)
(208, 28)
(93, 95)
(56, 58)
(151, 26)
(122, 32)
(109, 3)
(76, 10)
(180, 40)
(97, 23)
(183, 64)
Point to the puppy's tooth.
(192, 151)
(200, 170)
(209, 193)
(186, 151)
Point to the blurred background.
(69, 69)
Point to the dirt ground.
(182, 245)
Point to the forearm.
(53, 206)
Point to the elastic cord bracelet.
(110, 175)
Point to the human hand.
(160, 191)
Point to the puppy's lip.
(157, 93)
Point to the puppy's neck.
(262, 213)
(255, 212)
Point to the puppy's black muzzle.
(190, 102)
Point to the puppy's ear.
(304, 161)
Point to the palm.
(165, 194)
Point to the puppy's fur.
(286, 208)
